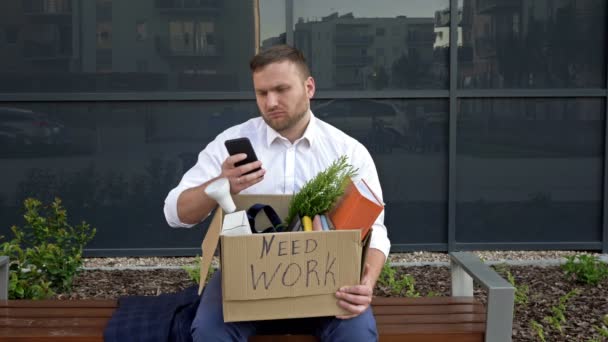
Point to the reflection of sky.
(273, 11)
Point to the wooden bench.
(418, 319)
(459, 318)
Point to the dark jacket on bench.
(154, 318)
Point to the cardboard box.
(282, 275)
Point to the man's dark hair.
(280, 53)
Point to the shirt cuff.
(170, 210)
(380, 239)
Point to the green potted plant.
(319, 194)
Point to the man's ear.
(310, 87)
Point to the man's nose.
(272, 100)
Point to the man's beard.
(286, 124)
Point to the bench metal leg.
(499, 319)
(3, 277)
(462, 283)
(501, 294)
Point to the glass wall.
(530, 170)
(532, 44)
(385, 44)
(106, 103)
(111, 163)
(408, 142)
(126, 46)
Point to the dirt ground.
(546, 285)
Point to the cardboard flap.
(280, 265)
(209, 246)
(365, 243)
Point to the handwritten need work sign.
(289, 264)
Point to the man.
(294, 146)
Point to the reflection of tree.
(510, 55)
(409, 71)
(115, 202)
(87, 188)
(571, 39)
(549, 50)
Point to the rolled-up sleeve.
(367, 171)
(170, 209)
(380, 238)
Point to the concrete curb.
(131, 268)
(541, 262)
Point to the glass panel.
(374, 45)
(408, 142)
(112, 164)
(272, 23)
(529, 170)
(532, 44)
(126, 46)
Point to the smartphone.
(242, 145)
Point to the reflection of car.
(25, 127)
(379, 125)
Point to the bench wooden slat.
(438, 337)
(427, 310)
(457, 328)
(50, 303)
(392, 333)
(455, 319)
(57, 312)
(439, 300)
(55, 322)
(51, 334)
(423, 319)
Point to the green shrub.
(602, 330)
(539, 330)
(585, 269)
(521, 291)
(398, 287)
(558, 312)
(194, 270)
(46, 252)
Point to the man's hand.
(236, 175)
(356, 299)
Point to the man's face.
(283, 95)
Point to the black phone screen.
(242, 145)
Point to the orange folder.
(358, 208)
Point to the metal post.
(289, 22)
(3, 277)
(453, 118)
(462, 283)
(605, 197)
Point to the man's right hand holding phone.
(239, 176)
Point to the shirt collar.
(309, 133)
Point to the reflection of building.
(281, 39)
(128, 45)
(357, 53)
(39, 36)
(442, 28)
(527, 43)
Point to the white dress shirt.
(288, 166)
